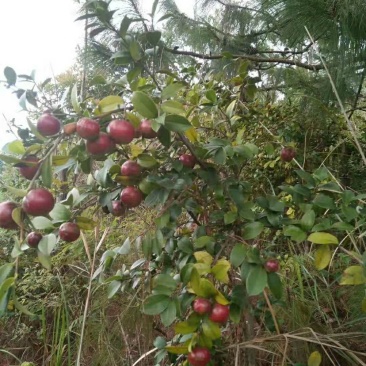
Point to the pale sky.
(41, 35)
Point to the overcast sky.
(40, 35)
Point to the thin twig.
(350, 126)
(285, 61)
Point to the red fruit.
(188, 160)
(202, 306)
(131, 197)
(220, 313)
(199, 356)
(48, 125)
(272, 265)
(146, 130)
(33, 239)
(121, 131)
(29, 171)
(38, 202)
(69, 232)
(118, 209)
(88, 129)
(6, 219)
(70, 128)
(138, 133)
(101, 146)
(130, 169)
(287, 154)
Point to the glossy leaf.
(322, 238)
(220, 270)
(176, 123)
(155, 304)
(110, 103)
(46, 172)
(256, 280)
(74, 99)
(85, 223)
(353, 275)
(10, 75)
(275, 285)
(322, 257)
(169, 314)
(237, 255)
(211, 330)
(144, 105)
(252, 230)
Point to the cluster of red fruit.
(37, 202)
(218, 313)
(40, 202)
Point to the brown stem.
(312, 67)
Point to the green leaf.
(230, 217)
(5, 271)
(211, 96)
(47, 244)
(275, 284)
(109, 104)
(164, 283)
(144, 105)
(15, 147)
(10, 75)
(113, 287)
(46, 172)
(85, 223)
(16, 191)
(256, 280)
(176, 123)
(169, 314)
(321, 200)
(322, 257)
(42, 223)
(252, 230)
(60, 213)
(307, 221)
(153, 37)
(9, 159)
(45, 260)
(159, 342)
(171, 90)
(315, 359)
(146, 161)
(237, 255)
(135, 51)
(220, 270)
(74, 99)
(173, 107)
(298, 235)
(206, 288)
(22, 308)
(322, 238)
(211, 330)
(203, 241)
(178, 350)
(353, 275)
(156, 304)
(164, 136)
(126, 22)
